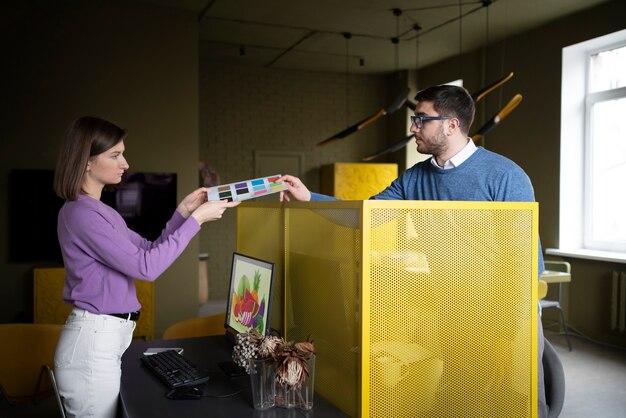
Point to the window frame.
(575, 131)
(588, 215)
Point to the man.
(457, 170)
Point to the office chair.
(562, 267)
(47, 370)
(196, 327)
(554, 380)
(26, 352)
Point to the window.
(593, 148)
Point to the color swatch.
(249, 189)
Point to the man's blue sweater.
(484, 176)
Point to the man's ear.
(453, 125)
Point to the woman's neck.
(92, 190)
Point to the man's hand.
(295, 188)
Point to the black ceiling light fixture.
(347, 36)
(397, 145)
(480, 134)
(417, 28)
(395, 105)
(461, 39)
(308, 32)
(485, 63)
(291, 47)
(205, 9)
(410, 104)
(396, 40)
(401, 99)
(478, 95)
(486, 4)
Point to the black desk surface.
(143, 395)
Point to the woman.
(102, 257)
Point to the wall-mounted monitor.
(146, 201)
(33, 209)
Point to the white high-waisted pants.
(88, 360)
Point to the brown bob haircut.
(87, 137)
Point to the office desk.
(143, 395)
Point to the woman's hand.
(193, 201)
(212, 210)
(296, 188)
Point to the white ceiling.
(308, 34)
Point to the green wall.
(134, 65)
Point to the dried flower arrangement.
(291, 358)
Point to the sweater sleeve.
(514, 186)
(399, 189)
(172, 225)
(317, 197)
(125, 251)
(395, 191)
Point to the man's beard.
(435, 145)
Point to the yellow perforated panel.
(450, 312)
(322, 290)
(260, 229)
(417, 309)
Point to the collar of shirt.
(459, 158)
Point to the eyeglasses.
(418, 121)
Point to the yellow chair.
(196, 327)
(542, 289)
(26, 353)
(556, 272)
(49, 307)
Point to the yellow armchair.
(558, 272)
(25, 350)
(542, 289)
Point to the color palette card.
(248, 189)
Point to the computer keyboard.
(174, 369)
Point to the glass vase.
(262, 383)
(302, 398)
